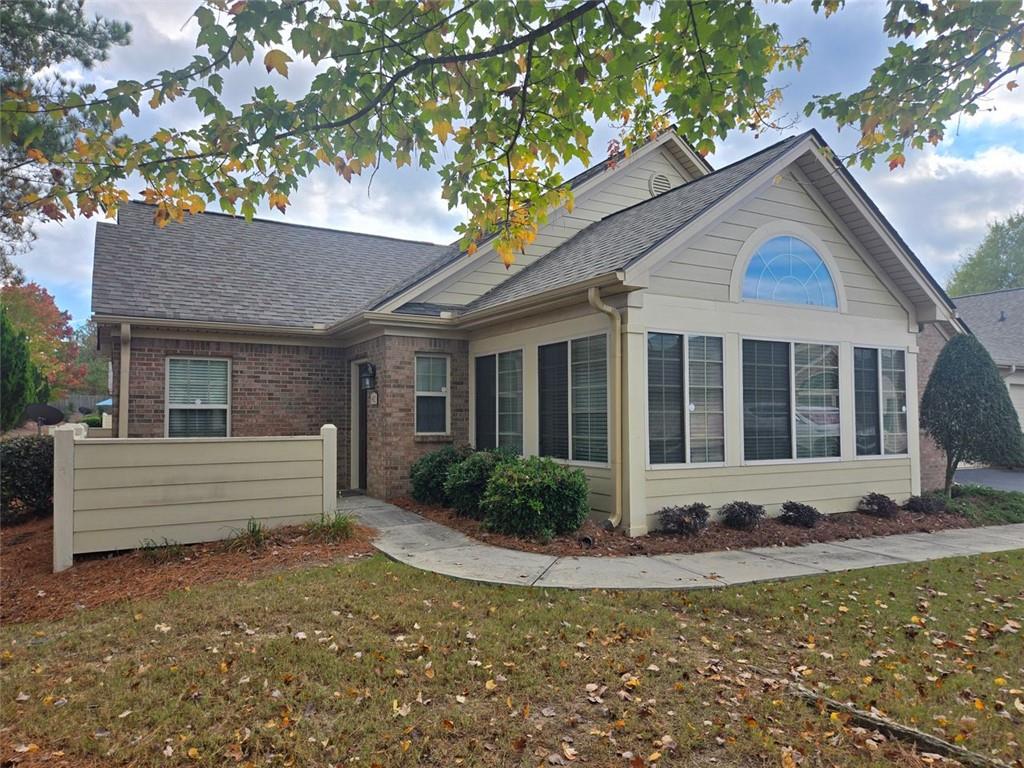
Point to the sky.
(940, 202)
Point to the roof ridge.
(987, 293)
(298, 225)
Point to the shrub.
(878, 505)
(535, 497)
(686, 521)
(967, 409)
(93, 420)
(802, 515)
(932, 503)
(26, 478)
(429, 473)
(331, 528)
(467, 482)
(741, 515)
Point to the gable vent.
(659, 184)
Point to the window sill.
(438, 438)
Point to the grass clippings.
(370, 662)
(29, 590)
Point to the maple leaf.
(277, 60)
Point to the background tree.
(995, 264)
(966, 408)
(32, 310)
(94, 379)
(37, 35)
(496, 95)
(19, 378)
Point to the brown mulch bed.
(592, 539)
(30, 591)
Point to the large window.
(880, 392)
(685, 398)
(573, 399)
(788, 270)
(790, 400)
(197, 397)
(499, 401)
(431, 394)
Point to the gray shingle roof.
(997, 319)
(623, 237)
(218, 268)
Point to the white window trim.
(881, 404)
(568, 394)
(192, 407)
(447, 394)
(686, 407)
(792, 408)
(497, 397)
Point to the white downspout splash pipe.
(615, 446)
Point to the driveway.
(1000, 479)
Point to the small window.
(880, 394)
(788, 270)
(431, 394)
(766, 413)
(685, 397)
(499, 401)
(197, 397)
(816, 394)
(573, 399)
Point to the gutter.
(615, 444)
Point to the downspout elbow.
(615, 444)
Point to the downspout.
(594, 299)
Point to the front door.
(361, 480)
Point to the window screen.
(816, 394)
(197, 398)
(707, 399)
(431, 394)
(553, 397)
(766, 413)
(510, 401)
(665, 397)
(866, 401)
(486, 403)
(590, 399)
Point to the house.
(754, 332)
(996, 318)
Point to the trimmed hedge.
(467, 482)
(801, 515)
(930, 503)
(26, 478)
(878, 505)
(741, 515)
(93, 420)
(428, 474)
(535, 498)
(685, 521)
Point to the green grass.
(332, 528)
(987, 506)
(376, 661)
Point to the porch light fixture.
(367, 376)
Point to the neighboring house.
(753, 332)
(997, 319)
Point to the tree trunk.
(951, 464)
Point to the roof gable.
(997, 319)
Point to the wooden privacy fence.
(111, 494)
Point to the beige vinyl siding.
(129, 491)
(623, 188)
(704, 268)
(1015, 383)
(528, 334)
(834, 486)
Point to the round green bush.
(93, 420)
(535, 498)
(26, 478)
(428, 474)
(467, 482)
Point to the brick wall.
(279, 389)
(933, 461)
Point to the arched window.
(788, 270)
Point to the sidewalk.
(421, 543)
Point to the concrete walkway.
(421, 543)
(1000, 479)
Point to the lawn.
(376, 664)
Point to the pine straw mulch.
(30, 591)
(593, 540)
